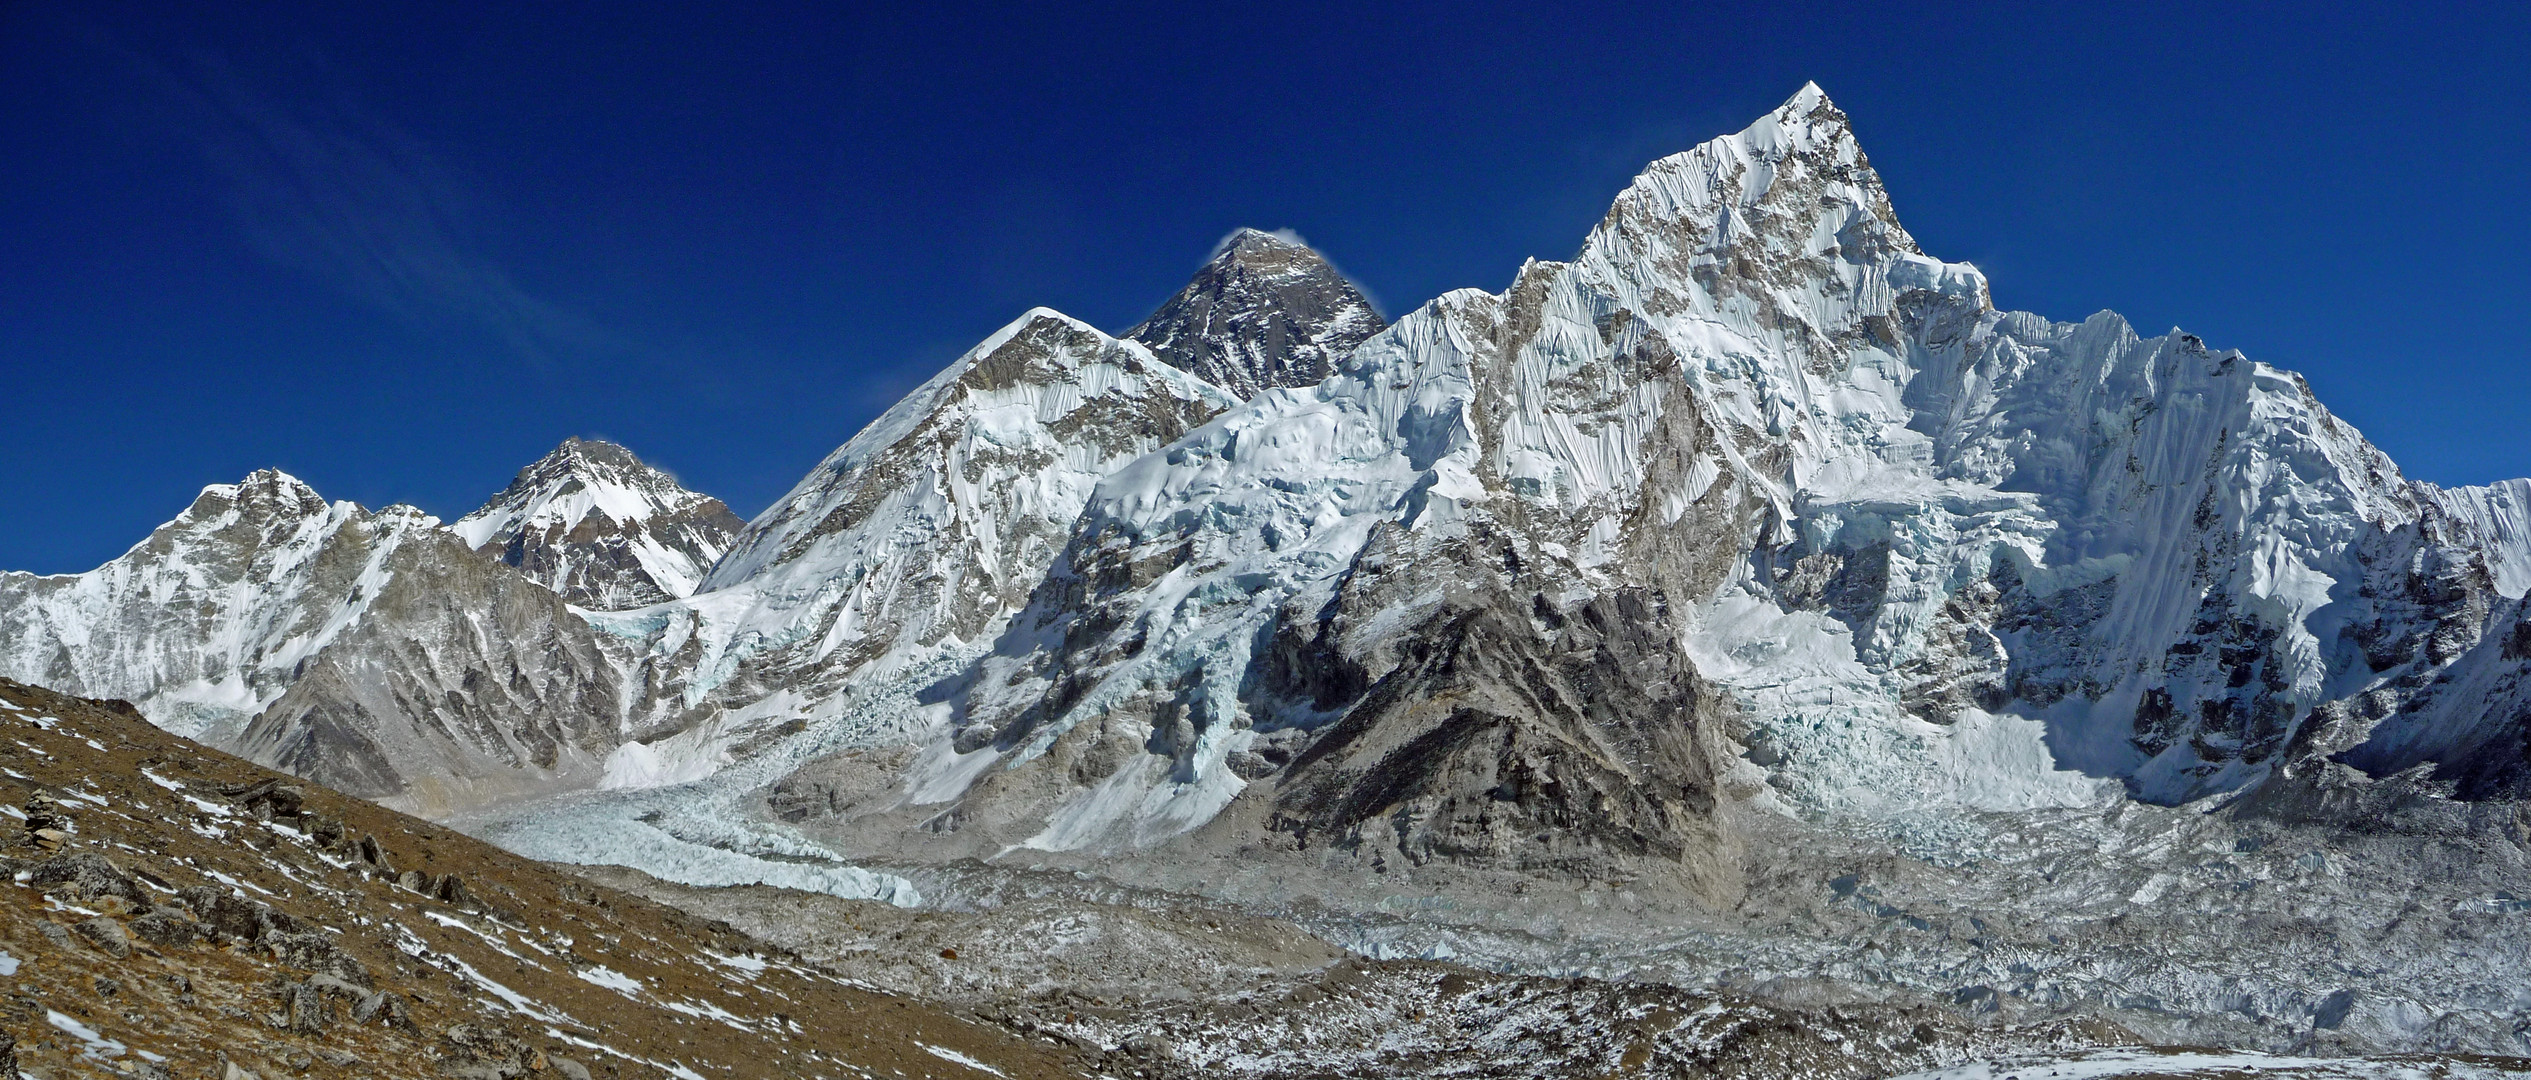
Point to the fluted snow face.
(2500, 515)
(1265, 312)
(605, 531)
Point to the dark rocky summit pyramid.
(1265, 312)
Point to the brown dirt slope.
(173, 911)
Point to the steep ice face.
(924, 532)
(1265, 312)
(2500, 515)
(596, 525)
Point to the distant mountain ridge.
(1751, 512)
(603, 530)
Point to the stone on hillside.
(375, 854)
(265, 800)
(107, 935)
(383, 1007)
(451, 889)
(485, 1050)
(315, 950)
(305, 1009)
(166, 931)
(85, 875)
(230, 917)
(44, 812)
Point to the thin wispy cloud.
(367, 208)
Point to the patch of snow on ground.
(674, 1069)
(611, 979)
(704, 1010)
(454, 923)
(946, 1054)
(748, 964)
(234, 883)
(97, 1046)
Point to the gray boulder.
(85, 875)
(106, 935)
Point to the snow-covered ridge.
(346, 645)
(205, 623)
(913, 541)
(597, 525)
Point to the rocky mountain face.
(371, 651)
(1850, 488)
(1265, 312)
(600, 528)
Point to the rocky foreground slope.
(171, 911)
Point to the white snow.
(205, 623)
(946, 1054)
(749, 964)
(611, 979)
(2501, 515)
(94, 1045)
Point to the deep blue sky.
(401, 250)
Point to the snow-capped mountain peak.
(1265, 311)
(603, 529)
(926, 529)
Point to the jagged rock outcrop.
(597, 526)
(1266, 311)
(1577, 743)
